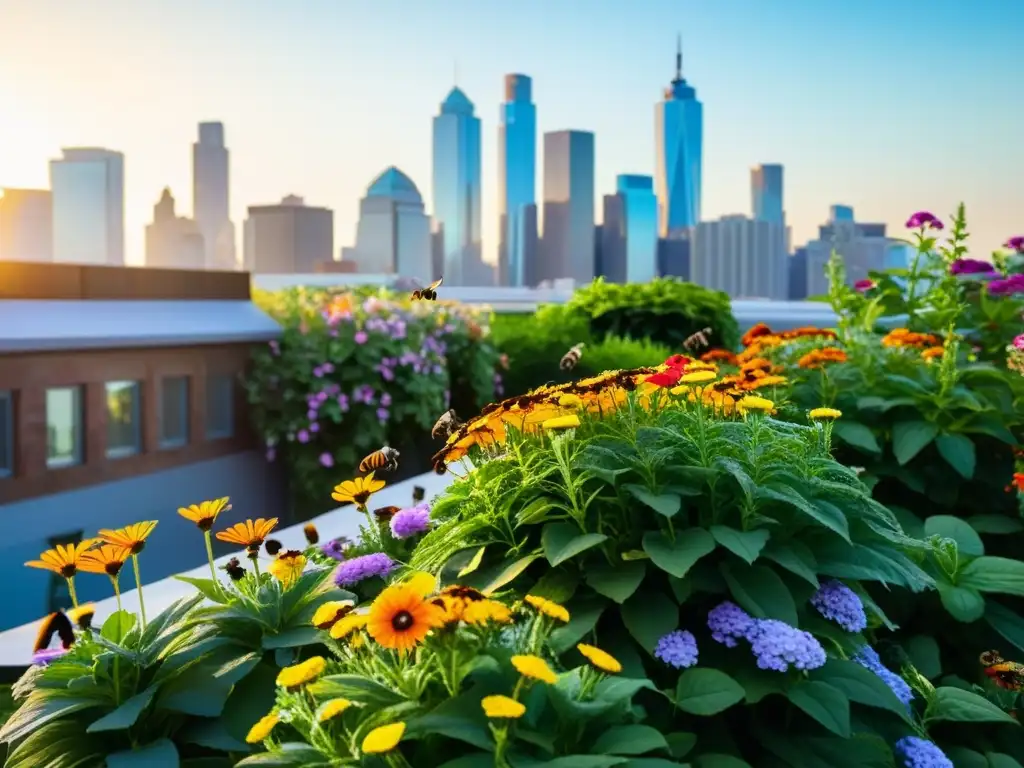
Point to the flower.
(106, 559)
(502, 707)
(548, 608)
(326, 460)
(410, 522)
(132, 537)
(361, 337)
(205, 513)
(262, 729)
(933, 352)
(817, 358)
(357, 491)
(837, 602)
(1015, 243)
(82, 615)
(1012, 285)
(921, 753)
(863, 285)
(561, 422)
(923, 220)
(302, 673)
(63, 559)
(287, 566)
(364, 567)
(729, 623)
(971, 267)
(47, 655)
(868, 658)
(484, 611)
(754, 403)
(1018, 342)
(697, 377)
(535, 668)
(331, 709)
(600, 659)
(677, 649)
(328, 614)
(778, 646)
(667, 378)
(824, 414)
(250, 534)
(348, 624)
(400, 617)
(311, 533)
(383, 739)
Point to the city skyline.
(840, 141)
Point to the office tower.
(210, 197)
(798, 275)
(862, 247)
(436, 248)
(393, 233)
(172, 241)
(679, 140)
(290, 237)
(517, 181)
(674, 257)
(567, 248)
(629, 247)
(26, 225)
(457, 188)
(745, 258)
(766, 193)
(840, 213)
(88, 206)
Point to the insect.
(386, 460)
(55, 624)
(385, 513)
(1005, 674)
(430, 292)
(698, 340)
(571, 358)
(445, 425)
(419, 493)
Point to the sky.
(890, 106)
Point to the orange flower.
(400, 617)
(131, 537)
(1018, 481)
(719, 355)
(932, 352)
(63, 559)
(901, 337)
(106, 559)
(817, 358)
(756, 332)
(757, 364)
(250, 534)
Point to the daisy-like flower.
(401, 617)
(562, 422)
(250, 534)
(299, 674)
(383, 739)
(357, 491)
(600, 659)
(933, 352)
(287, 567)
(331, 709)
(131, 537)
(330, 613)
(106, 559)
(487, 611)
(548, 608)
(346, 625)
(535, 668)
(502, 707)
(824, 414)
(754, 403)
(205, 513)
(64, 560)
(261, 730)
(697, 377)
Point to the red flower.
(678, 361)
(667, 378)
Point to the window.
(60, 598)
(6, 434)
(174, 411)
(220, 406)
(64, 427)
(124, 419)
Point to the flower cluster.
(678, 649)
(1010, 286)
(776, 645)
(837, 602)
(971, 267)
(818, 358)
(868, 658)
(411, 522)
(921, 753)
(1015, 355)
(924, 220)
(902, 337)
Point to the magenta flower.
(970, 267)
(1018, 343)
(924, 220)
(303, 436)
(862, 286)
(360, 337)
(1014, 284)
(1016, 243)
(326, 460)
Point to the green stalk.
(209, 554)
(71, 591)
(138, 588)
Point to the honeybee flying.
(55, 624)
(386, 460)
(384, 514)
(430, 292)
(1005, 674)
(698, 340)
(572, 357)
(445, 425)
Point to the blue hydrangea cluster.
(837, 602)
(779, 646)
(868, 657)
(729, 623)
(677, 649)
(921, 753)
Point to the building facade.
(674, 256)
(567, 248)
(172, 241)
(745, 258)
(517, 182)
(679, 143)
(798, 275)
(862, 247)
(87, 186)
(766, 193)
(211, 197)
(629, 235)
(290, 237)
(840, 213)
(26, 225)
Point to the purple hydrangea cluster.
(868, 658)
(778, 646)
(921, 753)
(411, 522)
(971, 267)
(729, 624)
(924, 220)
(357, 569)
(837, 602)
(1012, 285)
(677, 649)
(1016, 243)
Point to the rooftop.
(394, 184)
(457, 103)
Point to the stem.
(138, 589)
(209, 554)
(370, 521)
(256, 567)
(71, 591)
(117, 592)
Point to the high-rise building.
(517, 181)
(766, 199)
(674, 257)
(288, 238)
(567, 248)
(173, 242)
(210, 196)
(798, 275)
(457, 187)
(679, 140)
(862, 247)
(745, 258)
(88, 206)
(840, 213)
(393, 233)
(26, 225)
(629, 236)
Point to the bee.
(430, 292)
(698, 340)
(571, 358)
(386, 460)
(384, 514)
(55, 624)
(1005, 674)
(445, 425)
(419, 493)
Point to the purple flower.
(1011, 285)
(314, 426)
(868, 658)
(365, 567)
(318, 372)
(47, 655)
(385, 399)
(779, 646)
(924, 220)
(677, 649)
(1016, 243)
(863, 285)
(837, 602)
(729, 623)
(382, 415)
(343, 403)
(360, 337)
(326, 460)
(303, 436)
(334, 548)
(971, 267)
(921, 753)
(327, 368)
(311, 414)
(411, 521)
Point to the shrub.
(534, 344)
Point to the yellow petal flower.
(422, 583)
(600, 659)
(824, 414)
(561, 422)
(535, 668)
(548, 608)
(569, 401)
(302, 673)
(261, 730)
(383, 739)
(696, 377)
(348, 624)
(331, 709)
(330, 613)
(755, 403)
(502, 706)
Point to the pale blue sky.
(886, 105)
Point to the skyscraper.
(745, 258)
(457, 188)
(679, 139)
(862, 247)
(766, 199)
(173, 242)
(210, 199)
(567, 248)
(26, 225)
(629, 247)
(290, 237)
(517, 181)
(88, 206)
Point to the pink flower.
(360, 337)
(326, 460)
(303, 436)
(1018, 343)
(863, 285)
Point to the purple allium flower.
(365, 567)
(677, 649)
(1011, 285)
(779, 646)
(837, 602)
(1016, 243)
(47, 655)
(382, 415)
(971, 267)
(729, 623)
(360, 337)
(868, 658)
(921, 753)
(303, 436)
(326, 460)
(411, 521)
(924, 220)
(863, 285)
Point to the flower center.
(205, 523)
(113, 569)
(402, 621)
(67, 571)
(137, 547)
(361, 498)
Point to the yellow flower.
(422, 583)
(483, 611)
(357, 491)
(755, 403)
(561, 422)
(302, 673)
(63, 559)
(696, 377)
(348, 624)
(131, 537)
(357, 642)
(603, 661)
(569, 401)
(262, 729)
(383, 739)
(535, 668)
(330, 613)
(700, 365)
(287, 566)
(205, 513)
(502, 706)
(331, 709)
(824, 414)
(548, 608)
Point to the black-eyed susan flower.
(455, 599)
(261, 730)
(304, 672)
(383, 739)
(331, 709)
(824, 414)
(204, 514)
(600, 659)
(561, 422)
(400, 617)
(106, 559)
(502, 707)
(535, 668)
(330, 613)
(358, 491)
(345, 626)
(287, 567)
(548, 608)
(64, 560)
(131, 537)
(82, 615)
(249, 534)
(311, 533)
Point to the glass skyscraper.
(88, 206)
(766, 193)
(679, 139)
(629, 247)
(568, 242)
(517, 180)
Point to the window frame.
(175, 442)
(124, 452)
(8, 433)
(78, 412)
(211, 432)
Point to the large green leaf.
(963, 603)
(288, 755)
(860, 685)
(356, 688)
(960, 706)
(968, 542)
(677, 557)
(1007, 623)
(563, 541)
(719, 760)
(825, 703)
(291, 638)
(41, 707)
(126, 714)
(707, 691)
(629, 740)
(665, 504)
(649, 616)
(796, 557)
(584, 761)
(996, 524)
(159, 754)
(925, 655)
(117, 626)
(744, 544)
(994, 574)
(909, 438)
(855, 434)
(825, 514)
(509, 573)
(616, 582)
(760, 591)
(583, 616)
(208, 588)
(250, 699)
(958, 451)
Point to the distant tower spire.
(679, 57)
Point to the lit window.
(124, 419)
(60, 597)
(64, 431)
(220, 406)
(6, 434)
(174, 412)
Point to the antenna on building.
(679, 56)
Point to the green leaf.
(649, 616)
(125, 715)
(191, 694)
(796, 557)
(509, 573)
(208, 588)
(1000, 760)
(962, 603)
(855, 434)
(117, 625)
(666, 504)
(968, 542)
(826, 704)
(744, 544)
(584, 761)
(718, 760)
(959, 706)
(826, 514)
(707, 691)
(925, 655)
(958, 451)
(909, 438)
(1007, 623)
(995, 524)
(616, 582)
(994, 574)
(582, 619)
(291, 638)
(474, 562)
(859, 685)
(681, 743)
(629, 740)
(760, 592)
(250, 699)
(39, 708)
(356, 688)
(963, 757)
(159, 754)
(557, 585)
(292, 753)
(678, 557)
(563, 541)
